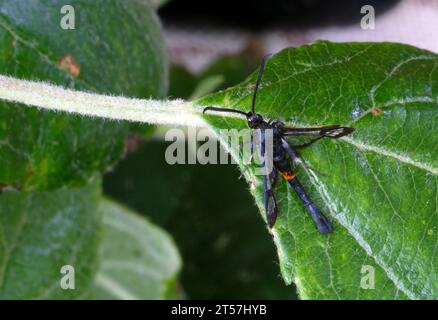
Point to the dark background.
(260, 15)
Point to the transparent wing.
(269, 181)
(301, 137)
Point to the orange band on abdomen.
(288, 175)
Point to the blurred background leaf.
(138, 259)
(40, 232)
(231, 70)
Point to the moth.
(284, 154)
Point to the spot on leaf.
(68, 64)
(376, 111)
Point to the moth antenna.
(259, 79)
(224, 110)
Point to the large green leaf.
(40, 232)
(116, 47)
(139, 260)
(378, 185)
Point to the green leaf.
(116, 47)
(139, 260)
(40, 232)
(378, 185)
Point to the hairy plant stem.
(47, 96)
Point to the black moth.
(283, 153)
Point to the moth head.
(254, 119)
